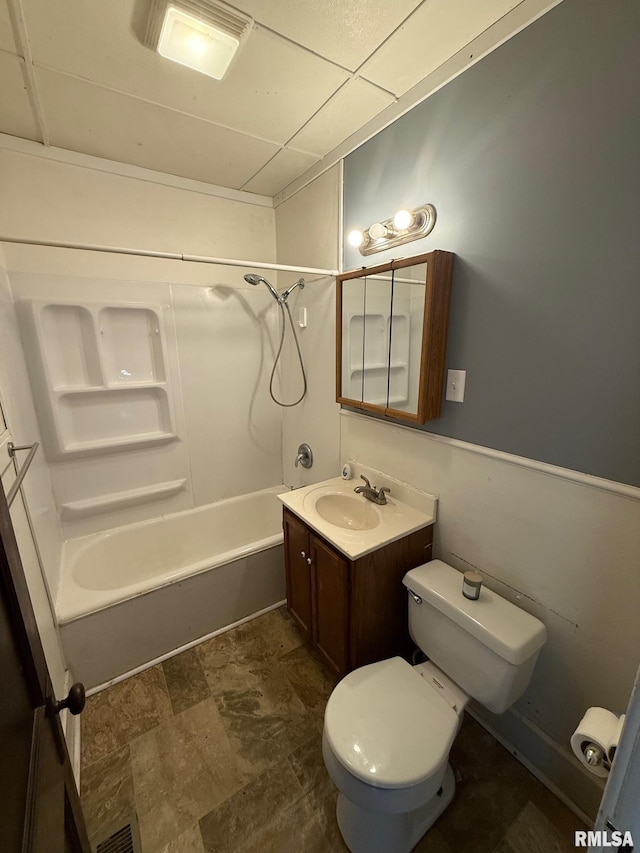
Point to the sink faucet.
(371, 493)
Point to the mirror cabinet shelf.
(392, 322)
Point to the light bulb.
(355, 238)
(196, 44)
(378, 231)
(403, 220)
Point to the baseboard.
(557, 768)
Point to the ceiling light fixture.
(202, 34)
(405, 226)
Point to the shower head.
(252, 278)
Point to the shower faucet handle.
(305, 456)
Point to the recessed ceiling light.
(204, 36)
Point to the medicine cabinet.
(392, 323)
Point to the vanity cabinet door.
(298, 570)
(330, 605)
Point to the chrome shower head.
(252, 278)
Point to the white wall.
(219, 329)
(22, 424)
(563, 550)
(307, 227)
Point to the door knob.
(75, 700)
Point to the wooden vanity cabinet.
(353, 612)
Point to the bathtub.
(135, 594)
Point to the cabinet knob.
(308, 561)
(303, 555)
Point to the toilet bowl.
(389, 726)
(388, 731)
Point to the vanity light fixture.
(405, 226)
(202, 34)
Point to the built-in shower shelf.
(120, 500)
(100, 370)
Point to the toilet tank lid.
(506, 629)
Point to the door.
(298, 569)
(331, 605)
(619, 810)
(40, 805)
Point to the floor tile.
(533, 832)
(186, 681)
(181, 770)
(189, 841)
(227, 658)
(296, 829)
(308, 765)
(243, 815)
(107, 792)
(264, 718)
(310, 678)
(220, 749)
(116, 716)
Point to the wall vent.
(124, 838)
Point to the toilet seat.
(388, 727)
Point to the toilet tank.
(489, 647)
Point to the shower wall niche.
(101, 375)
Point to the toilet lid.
(388, 726)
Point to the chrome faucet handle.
(368, 484)
(383, 489)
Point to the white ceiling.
(74, 74)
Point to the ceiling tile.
(16, 115)
(83, 117)
(350, 108)
(7, 40)
(270, 91)
(345, 32)
(279, 172)
(437, 30)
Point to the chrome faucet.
(372, 493)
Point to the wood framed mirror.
(391, 336)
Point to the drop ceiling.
(75, 75)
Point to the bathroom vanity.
(344, 583)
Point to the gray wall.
(532, 159)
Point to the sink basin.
(351, 523)
(347, 511)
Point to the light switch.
(455, 385)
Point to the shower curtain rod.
(174, 256)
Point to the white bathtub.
(135, 593)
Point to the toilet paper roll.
(601, 729)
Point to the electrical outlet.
(455, 385)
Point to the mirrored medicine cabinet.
(392, 323)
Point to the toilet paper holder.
(596, 739)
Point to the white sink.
(348, 511)
(353, 524)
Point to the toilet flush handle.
(415, 597)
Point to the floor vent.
(124, 838)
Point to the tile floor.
(218, 750)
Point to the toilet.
(389, 726)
